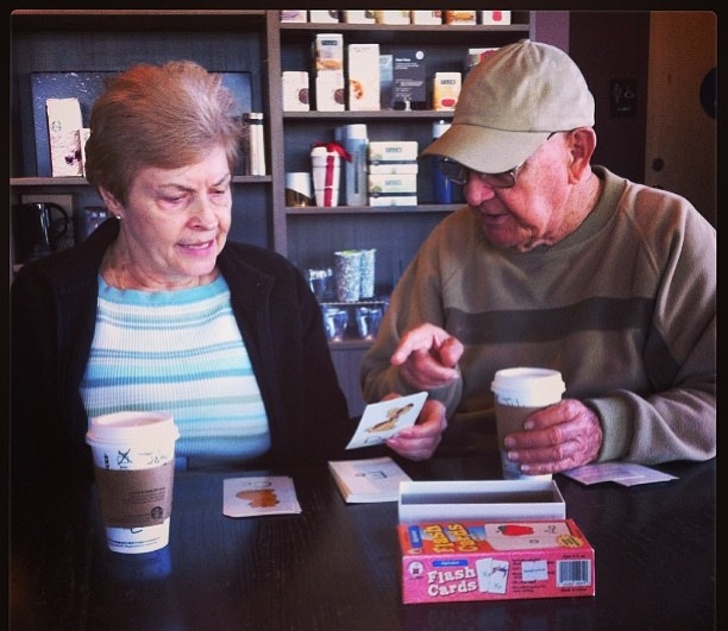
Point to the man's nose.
(477, 191)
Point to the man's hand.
(420, 441)
(427, 356)
(556, 438)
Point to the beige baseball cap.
(510, 103)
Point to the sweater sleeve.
(676, 420)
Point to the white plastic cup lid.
(528, 386)
(131, 427)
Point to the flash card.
(256, 496)
(492, 575)
(525, 535)
(385, 419)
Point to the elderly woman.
(155, 311)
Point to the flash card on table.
(624, 473)
(385, 419)
(256, 496)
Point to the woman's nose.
(204, 214)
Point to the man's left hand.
(556, 438)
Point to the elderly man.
(558, 264)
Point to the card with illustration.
(525, 535)
(256, 496)
(492, 575)
(385, 419)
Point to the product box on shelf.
(364, 86)
(426, 17)
(392, 183)
(296, 91)
(386, 81)
(410, 74)
(323, 16)
(329, 52)
(392, 189)
(495, 17)
(460, 17)
(490, 540)
(359, 17)
(64, 121)
(393, 17)
(446, 90)
(392, 151)
(294, 15)
(330, 91)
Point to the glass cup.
(336, 320)
(368, 320)
(321, 283)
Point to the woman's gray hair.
(164, 116)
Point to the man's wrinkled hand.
(427, 357)
(556, 438)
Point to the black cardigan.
(53, 314)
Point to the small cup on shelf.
(368, 320)
(321, 283)
(335, 321)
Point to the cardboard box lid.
(480, 499)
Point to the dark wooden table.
(335, 566)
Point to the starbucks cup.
(518, 392)
(133, 455)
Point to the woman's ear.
(114, 206)
(582, 143)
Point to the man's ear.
(582, 143)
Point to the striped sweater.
(624, 307)
(180, 352)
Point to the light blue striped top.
(181, 352)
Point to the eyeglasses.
(460, 174)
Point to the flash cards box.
(490, 540)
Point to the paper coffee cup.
(518, 392)
(133, 455)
